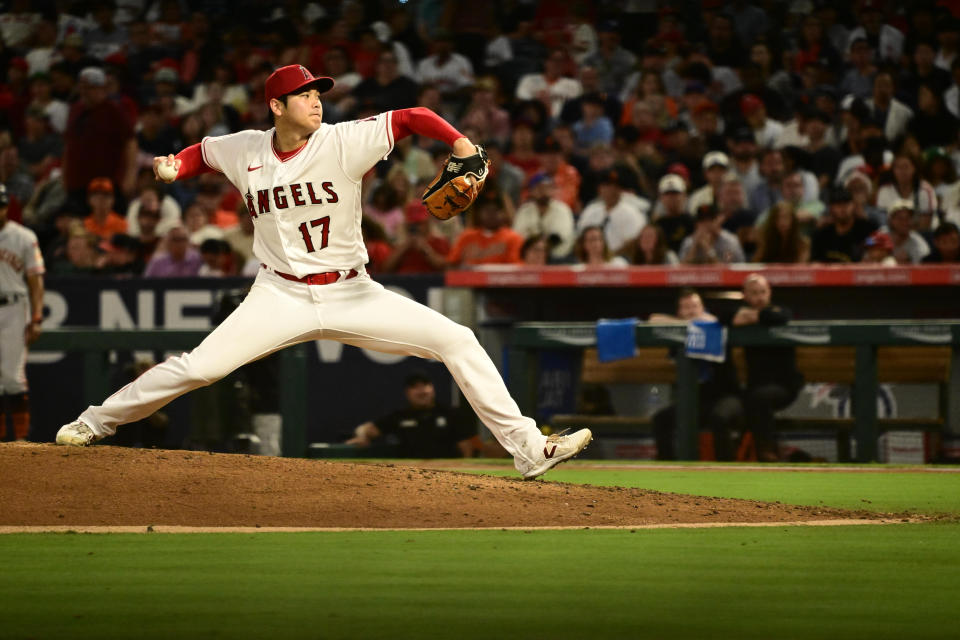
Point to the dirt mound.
(41, 484)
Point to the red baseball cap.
(292, 78)
(750, 103)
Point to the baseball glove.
(457, 185)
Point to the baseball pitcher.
(21, 311)
(301, 184)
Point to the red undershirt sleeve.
(191, 163)
(424, 122)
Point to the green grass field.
(867, 581)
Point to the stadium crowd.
(784, 131)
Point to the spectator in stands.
(743, 151)
(673, 219)
(886, 40)
(710, 243)
(523, 153)
(894, 115)
(41, 98)
(446, 69)
(80, 257)
(148, 234)
(216, 259)
(779, 239)
(765, 131)
(924, 73)
(706, 130)
(650, 248)
(566, 178)
(103, 221)
(858, 80)
(715, 167)
(765, 194)
(155, 135)
(535, 251)
(484, 113)
(152, 196)
(824, 158)
(177, 259)
(99, 139)
(773, 382)
(196, 220)
(386, 90)
(39, 147)
(736, 216)
(508, 177)
(946, 244)
(544, 214)
(934, 124)
(594, 127)
(166, 88)
(590, 84)
(808, 212)
(73, 57)
(612, 62)
(860, 186)
(909, 247)
(491, 241)
(878, 249)
(385, 207)
(591, 249)
(940, 172)
(904, 182)
(122, 256)
(723, 47)
(620, 214)
(842, 239)
(551, 87)
(418, 248)
(106, 37)
(720, 407)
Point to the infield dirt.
(46, 485)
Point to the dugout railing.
(864, 337)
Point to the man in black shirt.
(675, 222)
(720, 406)
(773, 381)
(422, 429)
(946, 244)
(842, 239)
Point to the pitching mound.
(45, 485)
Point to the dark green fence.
(865, 336)
(96, 344)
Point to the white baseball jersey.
(19, 255)
(306, 209)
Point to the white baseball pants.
(278, 313)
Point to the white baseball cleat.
(559, 447)
(76, 434)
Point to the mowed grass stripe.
(933, 493)
(792, 582)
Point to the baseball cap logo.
(306, 73)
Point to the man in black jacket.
(422, 429)
(773, 381)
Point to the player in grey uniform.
(21, 311)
